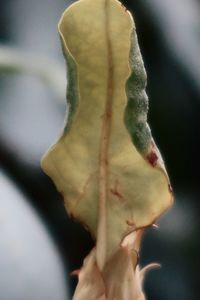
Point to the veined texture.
(105, 163)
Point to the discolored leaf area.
(106, 163)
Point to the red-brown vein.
(103, 151)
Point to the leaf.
(106, 163)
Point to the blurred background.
(39, 244)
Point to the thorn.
(170, 188)
(155, 226)
(75, 272)
(125, 9)
(149, 267)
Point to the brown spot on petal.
(130, 223)
(61, 196)
(115, 190)
(152, 158)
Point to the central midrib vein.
(103, 151)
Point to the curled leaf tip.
(148, 268)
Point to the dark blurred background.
(39, 244)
